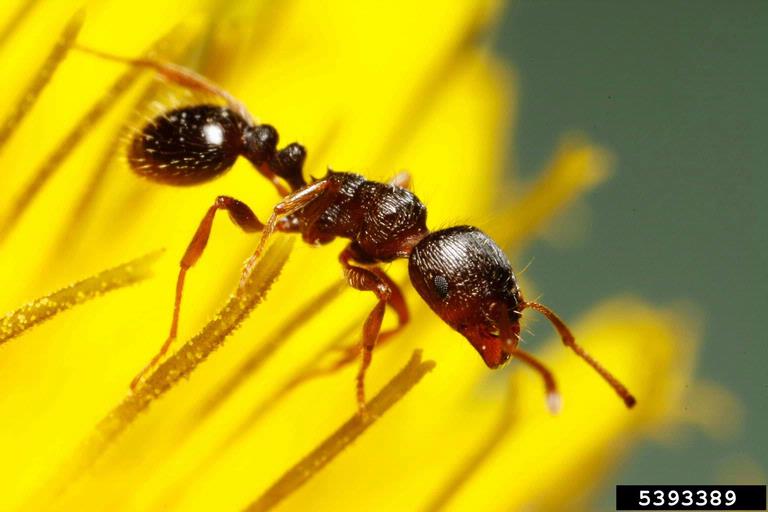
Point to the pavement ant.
(459, 271)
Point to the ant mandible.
(460, 272)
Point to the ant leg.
(364, 280)
(350, 354)
(511, 336)
(377, 281)
(287, 163)
(243, 217)
(402, 180)
(396, 302)
(179, 75)
(290, 204)
(570, 341)
(553, 397)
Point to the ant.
(460, 272)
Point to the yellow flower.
(375, 88)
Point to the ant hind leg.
(244, 218)
(178, 75)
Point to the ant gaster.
(459, 272)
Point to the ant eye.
(187, 145)
(441, 286)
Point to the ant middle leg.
(244, 218)
(289, 205)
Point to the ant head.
(467, 280)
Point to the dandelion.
(221, 424)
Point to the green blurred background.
(677, 91)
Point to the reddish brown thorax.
(381, 220)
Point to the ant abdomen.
(187, 145)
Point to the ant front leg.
(387, 292)
(570, 341)
(244, 218)
(554, 402)
(351, 353)
(396, 302)
(512, 339)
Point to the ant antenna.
(570, 341)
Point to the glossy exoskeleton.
(461, 273)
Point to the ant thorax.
(383, 221)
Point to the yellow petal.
(577, 167)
